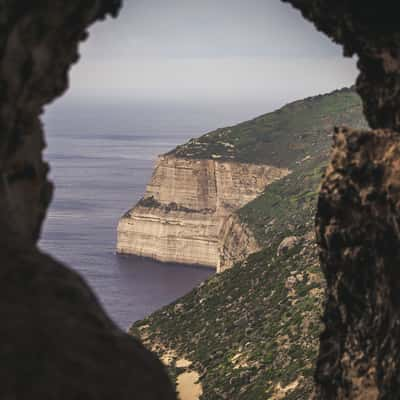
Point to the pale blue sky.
(213, 50)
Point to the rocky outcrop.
(358, 220)
(186, 237)
(287, 244)
(358, 212)
(57, 342)
(185, 214)
(236, 242)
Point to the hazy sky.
(222, 50)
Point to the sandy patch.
(187, 383)
(188, 386)
(183, 363)
(281, 392)
(168, 357)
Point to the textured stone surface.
(236, 242)
(56, 341)
(209, 184)
(287, 244)
(38, 43)
(358, 211)
(170, 236)
(358, 220)
(184, 216)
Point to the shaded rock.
(358, 219)
(287, 244)
(358, 211)
(56, 341)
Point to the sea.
(102, 153)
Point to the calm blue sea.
(102, 156)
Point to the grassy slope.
(280, 137)
(254, 329)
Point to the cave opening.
(357, 227)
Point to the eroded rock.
(358, 220)
(287, 244)
(358, 211)
(56, 341)
(188, 211)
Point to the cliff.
(252, 331)
(186, 213)
(189, 213)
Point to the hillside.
(251, 332)
(281, 137)
(188, 213)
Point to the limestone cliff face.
(171, 236)
(236, 243)
(185, 215)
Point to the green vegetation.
(151, 202)
(281, 137)
(287, 207)
(252, 331)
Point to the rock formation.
(358, 212)
(253, 331)
(185, 215)
(56, 340)
(193, 209)
(358, 217)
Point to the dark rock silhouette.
(56, 341)
(359, 212)
(358, 232)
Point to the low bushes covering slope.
(252, 332)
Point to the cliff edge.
(187, 208)
(190, 211)
(252, 331)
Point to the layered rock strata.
(236, 242)
(185, 215)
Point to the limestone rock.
(236, 242)
(186, 213)
(287, 244)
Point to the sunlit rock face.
(56, 340)
(358, 212)
(186, 213)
